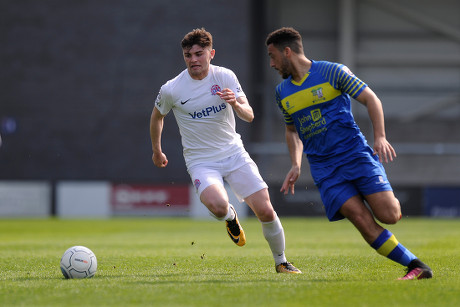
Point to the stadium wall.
(79, 78)
(100, 199)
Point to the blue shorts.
(362, 176)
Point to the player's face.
(279, 62)
(197, 60)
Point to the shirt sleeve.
(343, 79)
(163, 102)
(234, 84)
(287, 118)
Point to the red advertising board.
(135, 199)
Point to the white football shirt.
(206, 122)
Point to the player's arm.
(295, 147)
(240, 105)
(156, 129)
(382, 147)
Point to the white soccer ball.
(78, 262)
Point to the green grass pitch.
(183, 262)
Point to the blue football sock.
(387, 245)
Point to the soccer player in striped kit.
(315, 101)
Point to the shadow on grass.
(35, 278)
(214, 278)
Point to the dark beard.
(285, 75)
(284, 71)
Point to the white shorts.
(239, 171)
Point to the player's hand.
(384, 149)
(289, 181)
(160, 160)
(228, 95)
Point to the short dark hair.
(199, 37)
(285, 37)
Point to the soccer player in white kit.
(203, 99)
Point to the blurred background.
(79, 78)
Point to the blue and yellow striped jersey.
(320, 108)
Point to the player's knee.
(392, 214)
(266, 214)
(218, 208)
(219, 212)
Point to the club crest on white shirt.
(214, 89)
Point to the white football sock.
(274, 234)
(230, 214)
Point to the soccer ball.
(78, 262)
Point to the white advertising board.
(89, 199)
(25, 199)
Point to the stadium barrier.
(28, 198)
(85, 199)
(102, 199)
